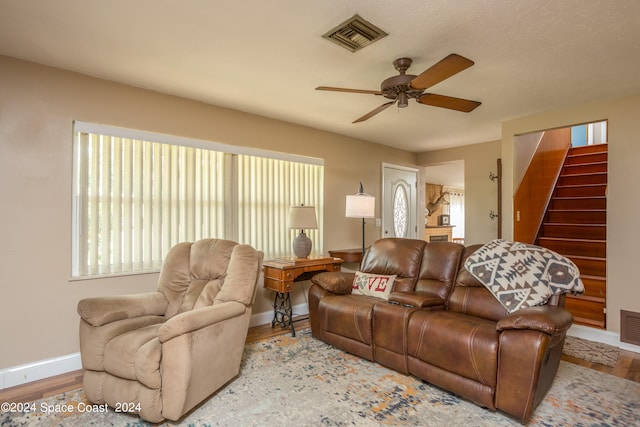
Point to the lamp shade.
(302, 217)
(360, 205)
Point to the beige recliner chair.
(164, 352)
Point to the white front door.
(399, 201)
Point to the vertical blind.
(266, 189)
(139, 198)
(135, 199)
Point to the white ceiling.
(266, 57)
(450, 174)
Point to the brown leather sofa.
(442, 325)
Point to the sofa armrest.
(102, 310)
(193, 320)
(336, 282)
(547, 319)
(416, 299)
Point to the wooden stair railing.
(536, 188)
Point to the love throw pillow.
(373, 285)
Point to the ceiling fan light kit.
(405, 86)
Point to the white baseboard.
(598, 335)
(267, 316)
(22, 374)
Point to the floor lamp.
(361, 205)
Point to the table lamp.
(302, 217)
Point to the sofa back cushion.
(394, 256)
(469, 296)
(439, 267)
(242, 276)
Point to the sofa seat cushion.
(135, 355)
(461, 344)
(349, 316)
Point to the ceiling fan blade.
(374, 112)
(458, 104)
(340, 89)
(444, 69)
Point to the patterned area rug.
(591, 351)
(304, 382)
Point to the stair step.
(588, 149)
(575, 159)
(569, 216)
(590, 248)
(590, 266)
(586, 178)
(588, 190)
(584, 168)
(589, 310)
(599, 324)
(575, 231)
(575, 203)
(582, 297)
(594, 286)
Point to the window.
(137, 194)
(400, 212)
(266, 188)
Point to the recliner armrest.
(193, 320)
(336, 282)
(102, 310)
(416, 299)
(550, 320)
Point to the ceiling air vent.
(355, 33)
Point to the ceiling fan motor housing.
(393, 86)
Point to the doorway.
(444, 195)
(399, 201)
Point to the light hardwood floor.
(628, 366)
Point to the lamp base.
(301, 245)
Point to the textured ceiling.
(266, 57)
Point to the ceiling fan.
(404, 86)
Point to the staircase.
(574, 225)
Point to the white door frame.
(414, 223)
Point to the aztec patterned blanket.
(520, 275)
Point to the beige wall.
(623, 202)
(481, 194)
(37, 106)
(38, 317)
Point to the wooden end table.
(348, 255)
(281, 274)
